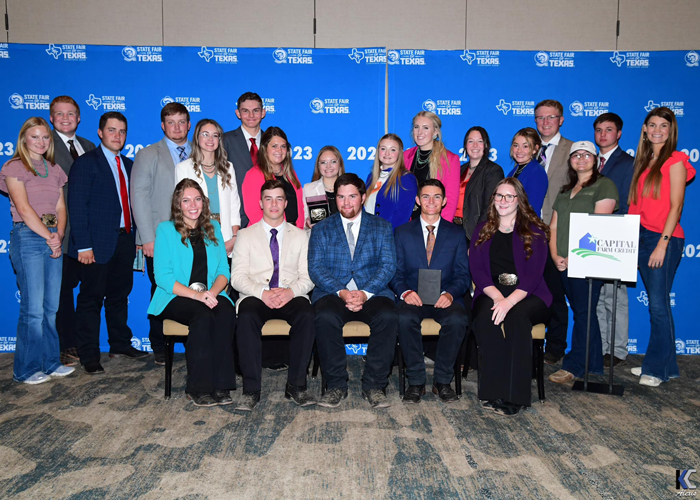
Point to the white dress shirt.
(280, 237)
(551, 146)
(76, 143)
(355, 229)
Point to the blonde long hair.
(439, 152)
(22, 152)
(645, 152)
(393, 183)
(220, 156)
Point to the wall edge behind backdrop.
(339, 97)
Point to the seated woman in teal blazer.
(191, 271)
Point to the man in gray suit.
(152, 186)
(65, 117)
(553, 156)
(554, 153)
(242, 144)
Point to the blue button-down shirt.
(172, 147)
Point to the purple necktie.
(543, 155)
(275, 251)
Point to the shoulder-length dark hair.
(572, 177)
(487, 146)
(203, 222)
(264, 164)
(644, 153)
(525, 218)
(220, 156)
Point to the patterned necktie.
(275, 251)
(73, 151)
(543, 155)
(431, 243)
(124, 196)
(602, 164)
(351, 240)
(181, 153)
(253, 151)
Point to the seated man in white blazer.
(270, 271)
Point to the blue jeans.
(576, 290)
(660, 359)
(39, 282)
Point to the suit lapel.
(363, 234)
(339, 232)
(418, 241)
(103, 164)
(264, 248)
(612, 161)
(441, 237)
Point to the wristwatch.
(665, 238)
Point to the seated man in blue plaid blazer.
(352, 259)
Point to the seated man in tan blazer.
(269, 269)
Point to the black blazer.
(239, 155)
(479, 189)
(94, 206)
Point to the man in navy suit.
(431, 242)
(242, 144)
(352, 258)
(68, 146)
(102, 239)
(618, 166)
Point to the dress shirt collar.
(256, 137)
(424, 226)
(554, 141)
(608, 154)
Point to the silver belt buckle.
(198, 287)
(508, 279)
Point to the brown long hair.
(645, 152)
(439, 152)
(572, 176)
(393, 183)
(22, 152)
(220, 156)
(525, 217)
(203, 222)
(317, 169)
(264, 164)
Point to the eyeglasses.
(578, 156)
(549, 118)
(207, 135)
(508, 197)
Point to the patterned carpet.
(114, 436)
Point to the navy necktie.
(275, 251)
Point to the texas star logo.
(205, 53)
(618, 59)
(356, 55)
(651, 105)
(54, 50)
(468, 56)
(503, 106)
(94, 101)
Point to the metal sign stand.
(597, 387)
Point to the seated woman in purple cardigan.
(506, 258)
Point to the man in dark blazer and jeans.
(431, 242)
(102, 239)
(352, 258)
(65, 118)
(618, 166)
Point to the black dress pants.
(209, 347)
(558, 326)
(65, 316)
(505, 371)
(109, 284)
(453, 322)
(379, 314)
(252, 315)
(155, 334)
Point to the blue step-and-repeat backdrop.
(339, 97)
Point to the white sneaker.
(650, 381)
(637, 371)
(62, 371)
(37, 378)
